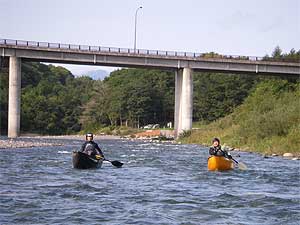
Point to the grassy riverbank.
(267, 122)
(111, 130)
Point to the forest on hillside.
(53, 101)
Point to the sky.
(236, 27)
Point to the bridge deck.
(122, 57)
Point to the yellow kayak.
(219, 163)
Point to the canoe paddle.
(115, 163)
(241, 165)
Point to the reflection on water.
(159, 184)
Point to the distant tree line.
(277, 54)
(51, 100)
(55, 102)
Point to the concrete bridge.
(182, 63)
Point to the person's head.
(89, 137)
(216, 142)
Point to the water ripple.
(159, 184)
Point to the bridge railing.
(137, 52)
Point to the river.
(158, 184)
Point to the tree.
(140, 95)
(216, 95)
(277, 53)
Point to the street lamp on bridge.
(135, 22)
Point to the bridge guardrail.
(188, 55)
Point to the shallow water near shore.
(158, 184)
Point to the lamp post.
(135, 20)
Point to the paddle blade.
(117, 163)
(242, 166)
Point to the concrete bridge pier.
(14, 98)
(183, 114)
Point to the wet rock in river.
(265, 156)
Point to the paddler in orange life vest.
(90, 147)
(216, 149)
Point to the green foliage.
(139, 96)
(53, 104)
(94, 112)
(211, 55)
(272, 110)
(216, 95)
(268, 121)
(278, 55)
(51, 99)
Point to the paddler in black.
(216, 149)
(90, 147)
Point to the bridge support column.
(183, 101)
(14, 98)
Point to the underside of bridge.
(183, 99)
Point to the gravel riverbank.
(41, 141)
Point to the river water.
(158, 184)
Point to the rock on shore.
(287, 154)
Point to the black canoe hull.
(84, 161)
